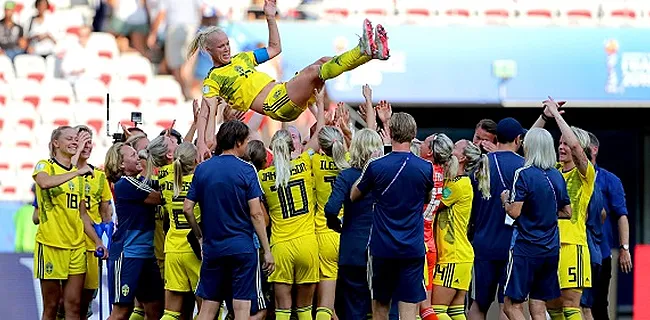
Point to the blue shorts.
(397, 279)
(534, 278)
(588, 294)
(260, 302)
(134, 278)
(352, 293)
(489, 278)
(229, 277)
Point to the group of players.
(355, 230)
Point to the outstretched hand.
(551, 106)
(384, 111)
(270, 9)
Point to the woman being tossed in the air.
(235, 79)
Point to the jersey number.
(177, 213)
(87, 202)
(573, 274)
(287, 202)
(330, 180)
(72, 201)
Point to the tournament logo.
(49, 267)
(125, 290)
(611, 49)
(446, 192)
(206, 89)
(40, 166)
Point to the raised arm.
(274, 47)
(192, 131)
(320, 120)
(371, 115)
(202, 122)
(577, 152)
(547, 116)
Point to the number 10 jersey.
(291, 207)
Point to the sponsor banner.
(477, 65)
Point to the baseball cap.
(509, 129)
(10, 5)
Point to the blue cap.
(509, 129)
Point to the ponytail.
(282, 146)
(156, 155)
(483, 176)
(198, 42)
(184, 164)
(451, 168)
(443, 149)
(330, 140)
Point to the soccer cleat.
(381, 42)
(367, 41)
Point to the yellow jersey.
(176, 238)
(237, 82)
(97, 190)
(580, 189)
(325, 171)
(164, 172)
(292, 207)
(452, 222)
(58, 209)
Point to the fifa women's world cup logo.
(611, 49)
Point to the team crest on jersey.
(87, 188)
(446, 192)
(49, 267)
(277, 94)
(40, 166)
(125, 290)
(71, 185)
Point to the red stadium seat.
(104, 44)
(134, 67)
(164, 90)
(91, 91)
(621, 13)
(127, 91)
(30, 66)
(58, 90)
(27, 91)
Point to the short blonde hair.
(365, 145)
(402, 127)
(539, 149)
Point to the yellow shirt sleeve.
(210, 88)
(42, 166)
(106, 192)
(451, 193)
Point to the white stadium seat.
(164, 90)
(58, 115)
(104, 45)
(127, 91)
(134, 67)
(30, 67)
(7, 73)
(21, 114)
(26, 90)
(91, 91)
(57, 90)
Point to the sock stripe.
(324, 309)
(304, 309)
(283, 311)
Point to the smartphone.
(136, 117)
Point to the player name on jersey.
(297, 169)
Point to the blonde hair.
(133, 139)
(442, 149)
(281, 147)
(478, 161)
(365, 144)
(156, 155)
(415, 147)
(56, 134)
(184, 164)
(402, 127)
(83, 128)
(113, 162)
(539, 149)
(331, 141)
(199, 41)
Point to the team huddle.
(345, 224)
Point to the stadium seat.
(21, 114)
(7, 73)
(7, 168)
(9, 191)
(58, 114)
(336, 9)
(579, 12)
(414, 11)
(26, 90)
(104, 44)
(42, 135)
(373, 9)
(127, 91)
(622, 13)
(30, 67)
(134, 67)
(537, 13)
(91, 91)
(121, 113)
(58, 90)
(20, 137)
(5, 94)
(496, 12)
(457, 12)
(164, 90)
(70, 21)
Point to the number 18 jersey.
(291, 207)
(176, 238)
(58, 208)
